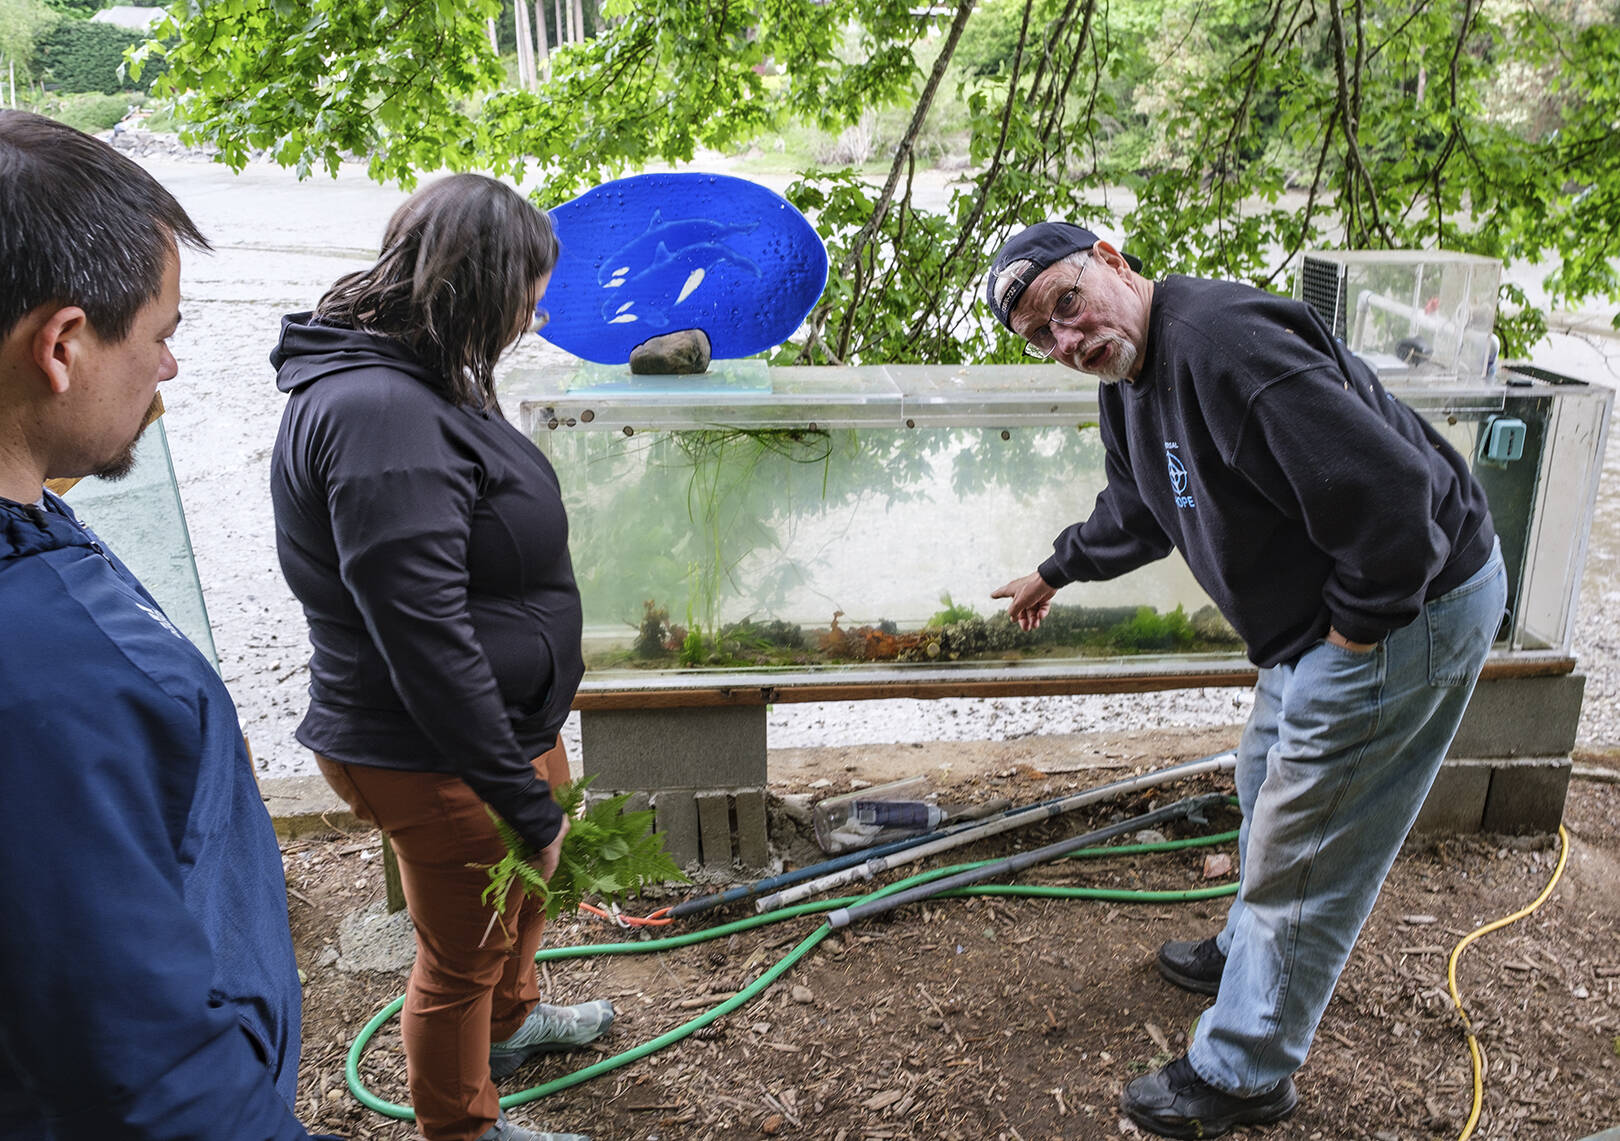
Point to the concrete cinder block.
(1527, 795)
(1456, 803)
(306, 806)
(753, 838)
(714, 822)
(722, 747)
(375, 938)
(675, 817)
(1521, 717)
(638, 802)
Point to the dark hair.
(80, 224)
(453, 280)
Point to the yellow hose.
(1456, 998)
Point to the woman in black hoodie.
(426, 538)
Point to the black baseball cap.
(1044, 244)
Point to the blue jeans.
(1337, 758)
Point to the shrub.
(90, 112)
(80, 56)
(163, 118)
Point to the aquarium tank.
(817, 518)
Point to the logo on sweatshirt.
(1178, 476)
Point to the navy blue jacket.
(429, 547)
(1298, 490)
(147, 984)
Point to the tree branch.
(880, 210)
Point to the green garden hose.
(606, 1065)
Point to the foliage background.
(78, 56)
(22, 22)
(1222, 137)
(55, 60)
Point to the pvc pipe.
(810, 871)
(1018, 818)
(850, 859)
(556, 954)
(1191, 806)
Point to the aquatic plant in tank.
(813, 546)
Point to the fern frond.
(608, 852)
(508, 834)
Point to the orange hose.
(656, 919)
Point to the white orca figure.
(638, 255)
(666, 281)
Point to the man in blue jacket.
(1349, 546)
(147, 984)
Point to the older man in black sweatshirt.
(1352, 550)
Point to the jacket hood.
(28, 530)
(310, 350)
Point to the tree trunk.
(525, 45)
(494, 36)
(561, 24)
(540, 39)
(579, 21)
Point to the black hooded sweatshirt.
(1300, 492)
(428, 545)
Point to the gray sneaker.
(504, 1130)
(549, 1029)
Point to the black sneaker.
(1176, 1102)
(1193, 966)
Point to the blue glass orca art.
(655, 253)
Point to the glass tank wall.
(1543, 502)
(140, 520)
(863, 515)
(1413, 314)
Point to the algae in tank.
(847, 514)
(1069, 631)
(806, 546)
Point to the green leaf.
(1480, 128)
(607, 853)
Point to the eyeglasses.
(1041, 342)
(539, 321)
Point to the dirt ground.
(1017, 1019)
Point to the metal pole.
(1017, 819)
(1191, 806)
(798, 875)
(849, 859)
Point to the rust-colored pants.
(461, 997)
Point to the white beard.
(1122, 359)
